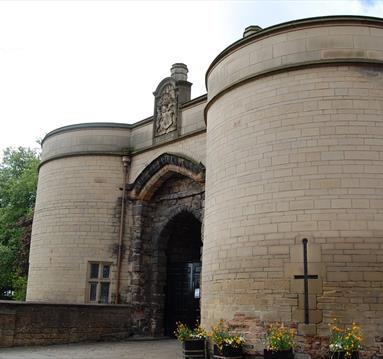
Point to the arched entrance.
(167, 201)
(183, 270)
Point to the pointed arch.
(160, 169)
(162, 231)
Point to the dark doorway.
(183, 256)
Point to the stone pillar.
(137, 283)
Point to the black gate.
(182, 295)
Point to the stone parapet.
(41, 324)
(116, 139)
(295, 44)
(86, 138)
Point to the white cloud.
(70, 62)
(270, 12)
(66, 62)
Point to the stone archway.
(172, 227)
(167, 201)
(159, 170)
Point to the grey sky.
(65, 62)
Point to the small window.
(104, 293)
(105, 271)
(93, 292)
(94, 270)
(98, 283)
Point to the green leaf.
(18, 183)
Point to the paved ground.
(155, 349)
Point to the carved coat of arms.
(166, 111)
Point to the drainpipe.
(125, 162)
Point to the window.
(98, 282)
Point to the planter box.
(283, 354)
(342, 355)
(228, 352)
(194, 349)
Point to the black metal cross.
(306, 278)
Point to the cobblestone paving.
(154, 349)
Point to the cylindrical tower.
(295, 151)
(76, 221)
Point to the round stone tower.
(77, 210)
(295, 179)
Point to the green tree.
(18, 183)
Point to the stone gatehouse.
(278, 169)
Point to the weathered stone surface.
(40, 324)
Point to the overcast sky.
(66, 62)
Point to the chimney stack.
(179, 72)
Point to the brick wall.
(41, 324)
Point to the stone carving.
(166, 111)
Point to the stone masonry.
(41, 323)
(297, 154)
(286, 148)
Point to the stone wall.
(41, 324)
(117, 138)
(76, 221)
(193, 147)
(192, 118)
(86, 139)
(295, 154)
(284, 46)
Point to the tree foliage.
(18, 183)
